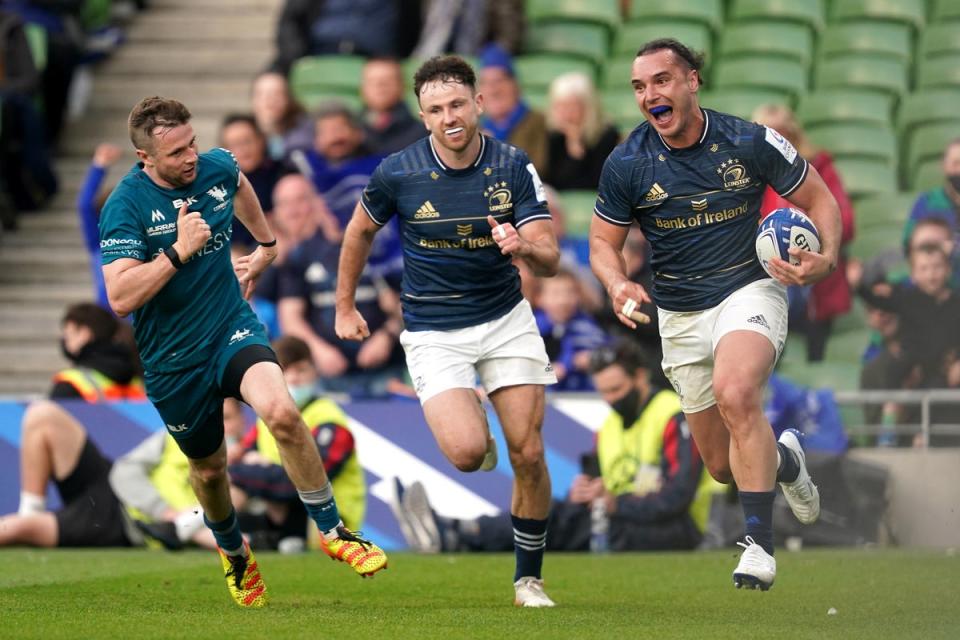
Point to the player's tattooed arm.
(608, 264)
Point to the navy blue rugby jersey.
(454, 275)
(699, 206)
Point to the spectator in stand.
(580, 139)
(340, 165)
(279, 116)
(306, 309)
(90, 201)
(646, 473)
(387, 121)
(240, 135)
(257, 473)
(356, 27)
(813, 309)
(943, 201)
(465, 27)
(506, 116)
(569, 334)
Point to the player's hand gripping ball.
(782, 229)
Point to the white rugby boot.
(756, 569)
(801, 494)
(529, 593)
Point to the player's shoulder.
(220, 157)
(127, 190)
(500, 152)
(729, 128)
(640, 145)
(413, 158)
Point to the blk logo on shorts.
(760, 320)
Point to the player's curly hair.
(153, 112)
(444, 69)
(693, 59)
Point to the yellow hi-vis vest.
(629, 456)
(171, 478)
(96, 387)
(349, 486)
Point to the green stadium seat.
(708, 12)
(838, 376)
(945, 10)
(794, 351)
(831, 106)
(37, 40)
(853, 320)
(537, 98)
(617, 71)
(807, 12)
(855, 140)
(884, 211)
(939, 39)
(928, 142)
(788, 77)
(95, 14)
(633, 35)
(580, 39)
(603, 12)
(892, 39)
(848, 347)
(313, 97)
(620, 106)
(578, 211)
(873, 241)
(927, 175)
(780, 39)
(334, 73)
(866, 176)
(539, 70)
(740, 102)
(942, 71)
(910, 12)
(883, 75)
(927, 106)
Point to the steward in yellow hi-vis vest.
(329, 426)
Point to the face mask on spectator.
(628, 406)
(301, 393)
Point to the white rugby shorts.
(690, 338)
(503, 352)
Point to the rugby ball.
(782, 229)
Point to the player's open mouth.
(662, 114)
(454, 131)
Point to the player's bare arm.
(535, 242)
(292, 313)
(357, 241)
(815, 198)
(246, 207)
(606, 260)
(131, 283)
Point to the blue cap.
(493, 55)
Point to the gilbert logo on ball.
(782, 229)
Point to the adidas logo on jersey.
(426, 210)
(655, 194)
(760, 320)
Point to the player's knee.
(719, 468)
(467, 458)
(284, 421)
(39, 415)
(528, 456)
(210, 474)
(737, 399)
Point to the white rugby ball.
(782, 229)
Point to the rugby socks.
(758, 515)
(788, 467)
(31, 503)
(227, 533)
(322, 507)
(529, 542)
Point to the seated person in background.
(568, 333)
(144, 496)
(944, 201)
(90, 200)
(464, 27)
(279, 116)
(580, 139)
(387, 120)
(652, 482)
(813, 309)
(103, 367)
(506, 116)
(240, 136)
(255, 469)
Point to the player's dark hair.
(445, 69)
(151, 113)
(241, 118)
(623, 353)
(100, 322)
(692, 59)
(290, 349)
(337, 109)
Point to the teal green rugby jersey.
(181, 325)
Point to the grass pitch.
(143, 594)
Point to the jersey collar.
(703, 136)
(476, 163)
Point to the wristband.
(272, 243)
(174, 257)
